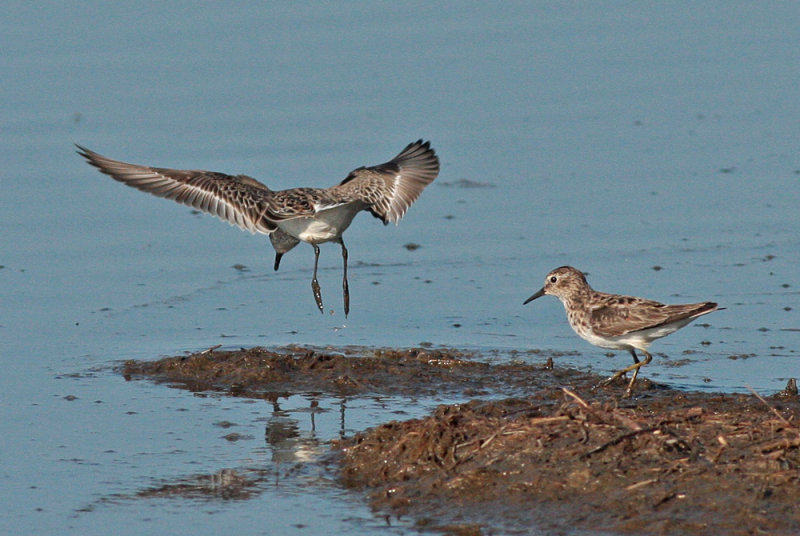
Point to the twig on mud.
(723, 445)
(485, 443)
(582, 403)
(781, 444)
(641, 484)
(773, 410)
(578, 399)
(668, 497)
(627, 422)
(617, 440)
(545, 420)
(208, 350)
(482, 443)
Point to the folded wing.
(614, 319)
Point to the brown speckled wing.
(301, 202)
(619, 315)
(238, 199)
(623, 314)
(389, 189)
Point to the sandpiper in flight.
(312, 215)
(615, 321)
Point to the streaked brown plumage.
(313, 215)
(615, 321)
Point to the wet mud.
(555, 456)
(264, 373)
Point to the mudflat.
(536, 447)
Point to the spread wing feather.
(238, 199)
(389, 189)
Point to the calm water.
(616, 137)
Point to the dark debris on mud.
(685, 463)
(556, 456)
(259, 372)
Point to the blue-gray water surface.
(652, 145)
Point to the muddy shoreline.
(536, 447)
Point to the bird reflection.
(288, 441)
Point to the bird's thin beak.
(278, 261)
(537, 295)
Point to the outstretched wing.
(389, 189)
(238, 199)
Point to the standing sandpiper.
(615, 321)
(312, 215)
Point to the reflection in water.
(225, 484)
(291, 442)
(286, 439)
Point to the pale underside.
(639, 340)
(324, 226)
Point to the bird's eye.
(553, 279)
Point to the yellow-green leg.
(635, 368)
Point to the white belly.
(639, 340)
(326, 225)
(612, 343)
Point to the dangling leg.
(345, 286)
(314, 282)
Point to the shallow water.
(616, 138)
